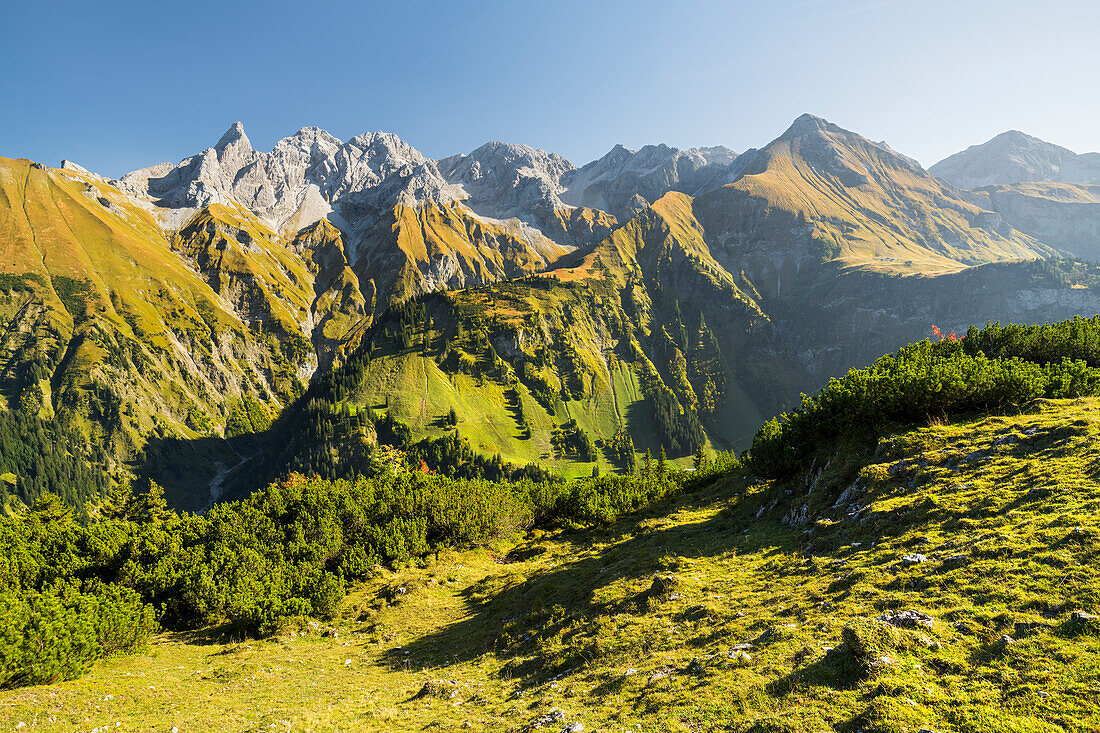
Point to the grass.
(1002, 509)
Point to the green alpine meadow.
(544, 367)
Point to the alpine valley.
(195, 323)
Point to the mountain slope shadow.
(197, 472)
(513, 615)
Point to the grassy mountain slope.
(608, 332)
(728, 609)
(820, 193)
(614, 345)
(106, 325)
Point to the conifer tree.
(148, 506)
(700, 458)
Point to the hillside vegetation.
(931, 583)
(109, 329)
(935, 568)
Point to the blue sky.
(120, 85)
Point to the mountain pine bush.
(934, 379)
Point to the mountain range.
(675, 297)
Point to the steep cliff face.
(1063, 215)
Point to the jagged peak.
(718, 154)
(385, 142)
(312, 132)
(617, 153)
(233, 136)
(542, 163)
(500, 145)
(309, 131)
(68, 165)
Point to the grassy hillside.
(649, 336)
(615, 342)
(819, 193)
(107, 327)
(749, 605)
(574, 375)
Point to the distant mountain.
(1013, 157)
(819, 193)
(500, 182)
(624, 180)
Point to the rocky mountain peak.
(504, 180)
(849, 156)
(234, 136)
(68, 165)
(718, 154)
(612, 182)
(806, 124)
(311, 137)
(1016, 157)
(1015, 137)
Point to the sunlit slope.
(111, 324)
(819, 193)
(422, 248)
(945, 579)
(615, 342)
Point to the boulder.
(908, 619)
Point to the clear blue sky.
(120, 85)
